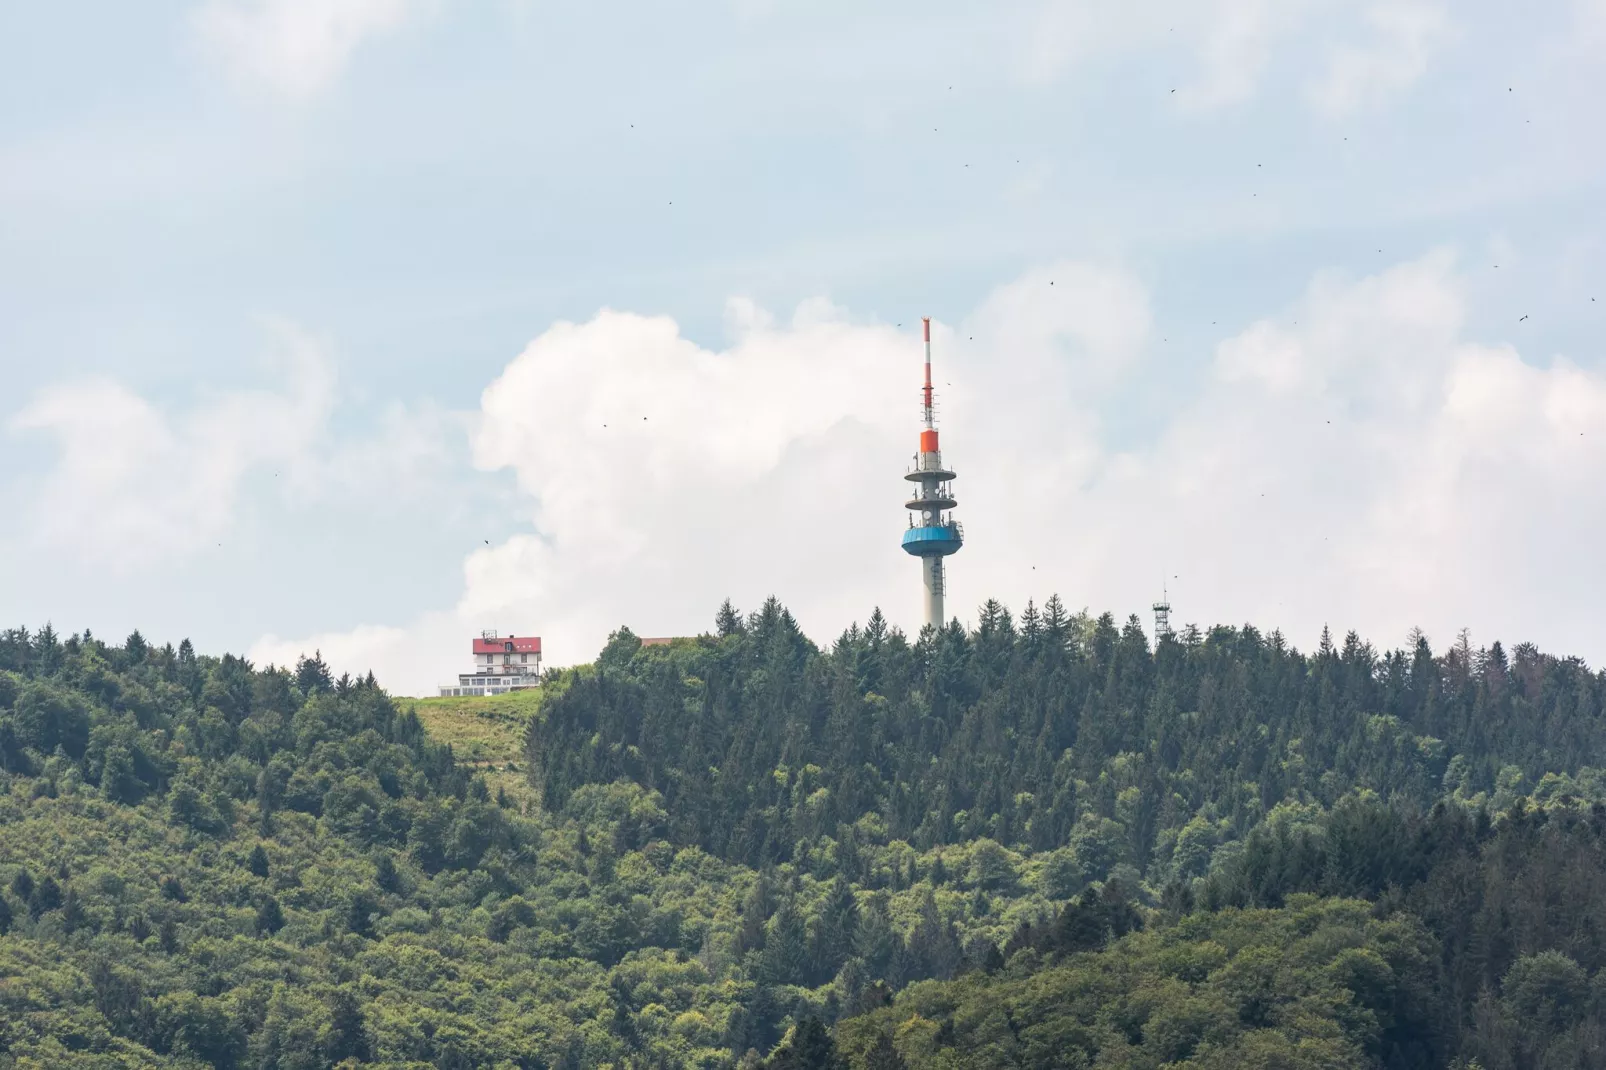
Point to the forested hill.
(1056, 731)
(1047, 842)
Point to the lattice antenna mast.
(1162, 616)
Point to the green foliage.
(714, 852)
(1318, 984)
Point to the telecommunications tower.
(933, 532)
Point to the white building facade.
(501, 664)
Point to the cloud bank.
(1353, 460)
(296, 48)
(1225, 48)
(135, 486)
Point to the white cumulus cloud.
(294, 47)
(1229, 41)
(1401, 41)
(135, 484)
(1229, 48)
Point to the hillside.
(486, 733)
(688, 855)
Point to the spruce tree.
(883, 1056)
(270, 916)
(135, 649)
(810, 1048)
(117, 780)
(347, 1035)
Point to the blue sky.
(283, 287)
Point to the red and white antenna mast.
(925, 323)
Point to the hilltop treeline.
(1047, 835)
(1057, 730)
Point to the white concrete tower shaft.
(931, 573)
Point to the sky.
(361, 326)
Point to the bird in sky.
(1521, 319)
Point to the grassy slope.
(485, 733)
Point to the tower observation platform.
(933, 533)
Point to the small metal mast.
(933, 534)
(931, 420)
(1162, 617)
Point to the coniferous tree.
(810, 1048)
(883, 1056)
(22, 884)
(118, 782)
(73, 917)
(45, 896)
(785, 955)
(135, 649)
(385, 874)
(269, 916)
(347, 1035)
(312, 674)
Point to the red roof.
(510, 644)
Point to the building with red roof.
(502, 663)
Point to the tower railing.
(951, 524)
